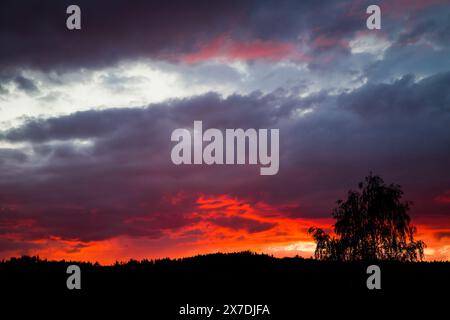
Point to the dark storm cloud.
(240, 223)
(442, 235)
(80, 125)
(404, 96)
(400, 60)
(120, 180)
(93, 175)
(433, 27)
(111, 30)
(123, 30)
(319, 32)
(25, 84)
(418, 33)
(20, 82)
(12, 155)
(21, 246)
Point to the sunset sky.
(86, 118)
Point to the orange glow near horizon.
(218, 224)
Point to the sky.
(86, 117)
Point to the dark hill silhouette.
(287, 285)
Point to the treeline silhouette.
(163, 285)
(236, 264)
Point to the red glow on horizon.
(218, 224)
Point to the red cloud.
(217, 223)
(324, 42)
(226, 48)
(443, 198)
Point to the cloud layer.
(96, 175)
(87, 115)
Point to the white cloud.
(139, 83)
(370, 44)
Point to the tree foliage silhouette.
(372, 224)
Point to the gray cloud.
(118, 30)
(117, 183)
(26, 84)
(240, 223)
(98, 174)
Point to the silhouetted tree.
(372, 224)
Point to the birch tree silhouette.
(372, 224)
